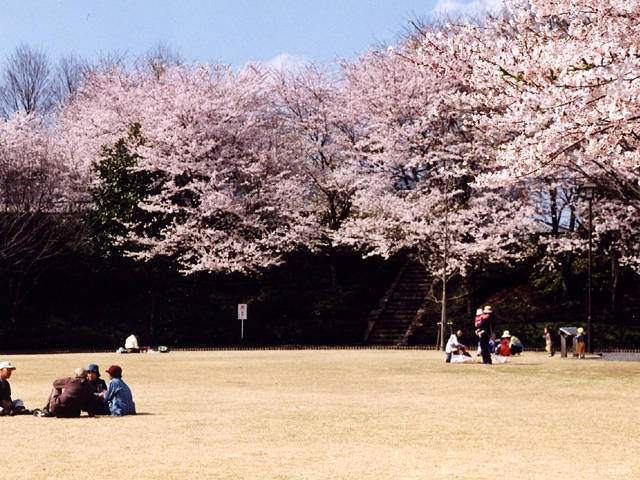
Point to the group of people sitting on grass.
(131, 345)
(85, 391)
(507, 344)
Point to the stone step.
(391, 322)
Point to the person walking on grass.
(118, 395)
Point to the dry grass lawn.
(334, 414)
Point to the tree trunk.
(443, 310)
(615, 280)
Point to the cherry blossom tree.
(231, 199)
(37, 215)
(422, 152)
(453, 144)
(566, 74)
(321, 135)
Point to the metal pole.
(589, 349)
(443, 309)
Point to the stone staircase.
(401, 308)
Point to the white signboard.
(242, 316)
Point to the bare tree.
(109, 60)
(25, 83)
(158, 59)
(69, 74)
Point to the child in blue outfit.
(118, 395)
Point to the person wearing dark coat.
(97, 405)
(7, 405)
(69, 396)
(483, 330)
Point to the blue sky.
(214, 31)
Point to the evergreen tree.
(119, 191)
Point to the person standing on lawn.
(548, 340)
(581, 339)
(483, 330)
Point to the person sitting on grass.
(118, 395)
(515, 345)
(96, 406)
(131, 344)
(7, 405)
(502, 348)
(454, 346)
(68, 397)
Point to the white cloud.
(466, 8)
(291, 63)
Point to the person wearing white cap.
(8, 406)
(503, 346)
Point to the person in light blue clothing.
(118, 395)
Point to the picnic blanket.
(465, 359)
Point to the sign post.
(242, 316)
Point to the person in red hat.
(118, 395)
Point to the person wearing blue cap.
(97, 405)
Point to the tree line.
(466, 146)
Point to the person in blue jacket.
(118, 395)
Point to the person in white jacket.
(454, 346)
(131, 344)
